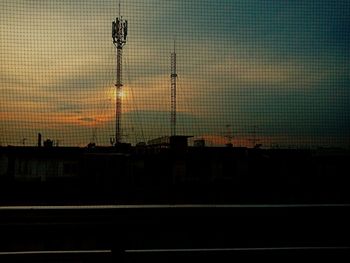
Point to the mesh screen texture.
(270, 72)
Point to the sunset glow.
(281, 66)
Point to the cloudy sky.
(276, 72)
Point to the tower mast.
(173, 77)
(119, 33)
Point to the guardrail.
(173, 232)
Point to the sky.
(273, 72)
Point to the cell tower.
(119, 33)
(173, 77)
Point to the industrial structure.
(173, 77)
(119, 33)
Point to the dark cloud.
(87, 119)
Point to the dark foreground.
(32, 175)
(175, 233)
(193, 204)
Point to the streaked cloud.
(280, 65)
